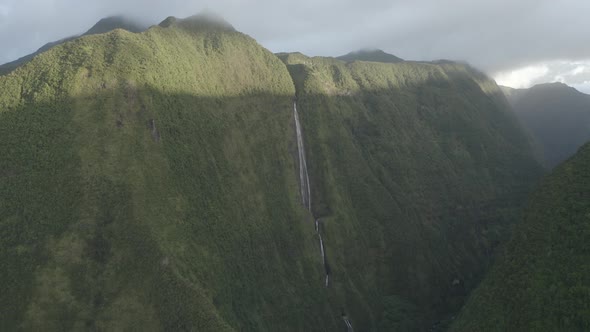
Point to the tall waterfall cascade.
(303, 175)
(306, 198)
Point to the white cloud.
(573, 73)
(579, 70)
(522, 77)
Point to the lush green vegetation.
(417, 171)
(542, 281)
(556, 115)
(148, 181)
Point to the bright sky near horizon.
(519, 43)
(572, 73)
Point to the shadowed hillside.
(542, 282)
(558, 117)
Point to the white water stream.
(304, 184)
(322, 252)
(303, 175)
(306, 197)
(348, 324)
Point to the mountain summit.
(115, 22)
(204, 20)
(374, 55)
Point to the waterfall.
(322, 252)
(303, 175)
(305, 187)
(322, 249)
(348, 324)
(306, 199)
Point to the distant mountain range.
(557, 116)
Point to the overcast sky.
(518, 42)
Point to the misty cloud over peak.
(207, 18)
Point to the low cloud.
(522, 77)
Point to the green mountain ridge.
(150, 181)
(557, 115)
(541, 281)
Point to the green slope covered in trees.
(149, 181)
(417, 170)
(542, 281)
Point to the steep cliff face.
(541, 282)
(417, 170)
(152, 181)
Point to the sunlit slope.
(148, 182)
(416, 171)
(542, 281)
(102, 26)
